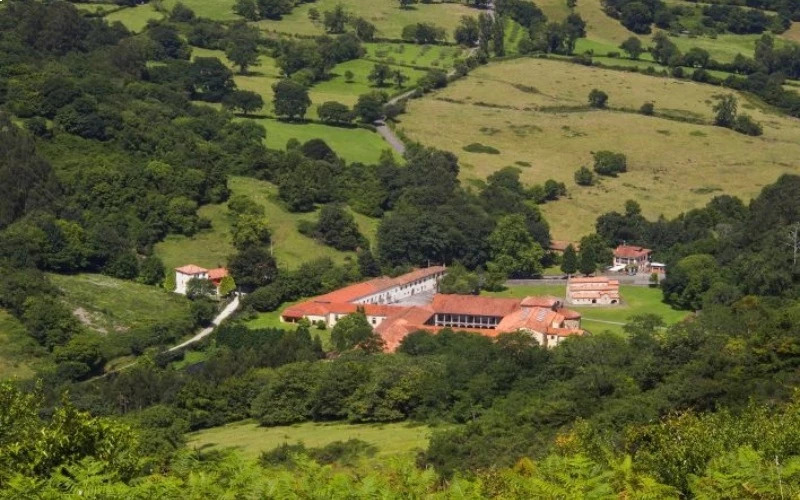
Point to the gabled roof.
(191, 269)
(359, 290)
(631, 252)
(540, 301)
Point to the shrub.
(477, 147)
(610, 163)
(598, 99)
(647, 108)
(584, 177)
(744, 124)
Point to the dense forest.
(110, 142)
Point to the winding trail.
(205, 332)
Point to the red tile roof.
(376, 285)
(474, 305)
(191, 269)
(217, 274)
(631, 252)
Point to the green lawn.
(94, 7)
(635, 300)
(352, 144)
(250, 439)
(107, 304)
(212, 248)
(18, 351)
(135, 18)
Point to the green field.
(337, 88)
(107, 305)
(429, 56)
(535, 110)
(635, 300)
(18, 351)
(219, 10)
(212, 248)
(135, 18)
(386, 15)
(352, 144)
(250, 439)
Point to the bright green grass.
(273, 320)
(337, 88)
(212, 248)
(514, 32)
(17, 350)
(135, 18)
(635, 300)
(250, 439)
(429, 56)
(108, 304)
(218, 10)
(352, 144)
(94, 7)
(386, 15)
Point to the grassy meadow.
(107, 305)
(635, 300)
(218, 10)
(250, 439)
(135, 18)
(428, 56)
(535, 111)
(386, 15)
(17, 350)
(211, 248)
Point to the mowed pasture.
(211, 248)
(107, 305)
(251, 440)
(135, 18)
(386, 15)
(535, 111)
(636, 300)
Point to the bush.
(477, 147)
(610, 163)
(598, 99)
(744, 124)
(584, 177)
(647, 108)
(265, 299)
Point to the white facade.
(399, 292)
(182, 280)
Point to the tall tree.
(569, 261)
(354, 332)
(291, 99)
(588, 262)
(241, 47)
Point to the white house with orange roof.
(184, 274)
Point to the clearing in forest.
(212, 247)
(251, 440)
(534, 111)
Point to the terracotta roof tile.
(217, 274)
(473, 304)
(191, 269)
(631, 252)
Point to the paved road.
(624, 279)
(205, 332)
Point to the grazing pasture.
(251, 440)
(536, 111)
(386, 15)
